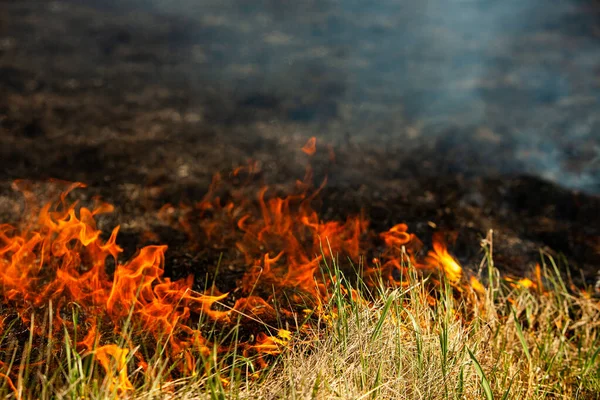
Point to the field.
(309, 315)
(166, 230)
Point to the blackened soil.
(102, 95)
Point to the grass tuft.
(421, 341)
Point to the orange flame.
(115, 369)
(477, 286)
(278, 244)
(63, 259)
(310, 147)
(440, 258)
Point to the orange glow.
(477, 286)
(538, 278)
(278, 243)
(114, 361)
(525, 283)
(274, 246)
(310, 147)
(62, 258)
(440, 258)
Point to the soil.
(144, 105)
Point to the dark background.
(469, 114)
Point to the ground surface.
(433, 118)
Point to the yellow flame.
(119, 378)
(526, 283)
(448, 264)
(284, 334)
(477, 286)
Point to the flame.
(62, 259)
(525, 283)
(115, 369)
(477, 286)
(310, 147)
(538, 278)
(277, 243)
(284, 334)
(11, 385)
(268, 345)
(440, 258)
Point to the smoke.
(524, 70)
(571, 160)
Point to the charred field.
(267, 241)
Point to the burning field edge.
(287, 305)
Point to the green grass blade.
(382, 318)
(521, 336)
(485, 384)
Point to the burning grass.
(507, 340)
(321, 309)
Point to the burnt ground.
(131, 101)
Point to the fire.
(310, 147)
(62, 260)
(440, 257)
(277, 243)
(477, 286)
(112, 357)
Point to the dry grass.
(516, 344)
(424, 341)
